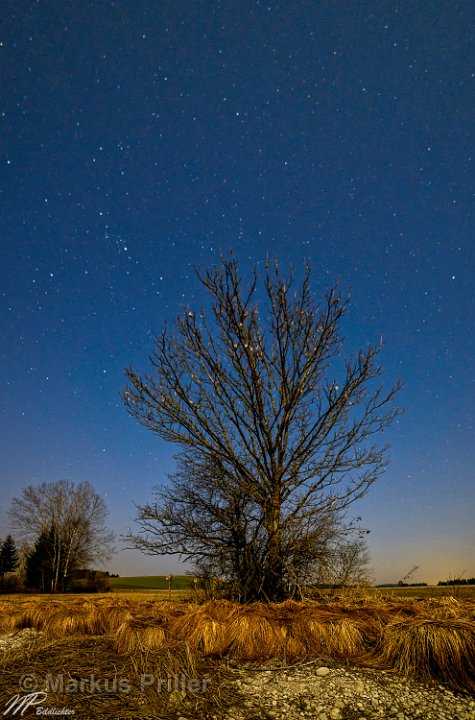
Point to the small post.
(170, 578)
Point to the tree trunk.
(273, 586)
(57, 563)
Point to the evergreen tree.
(40, 563)
(8, 557)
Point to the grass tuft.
(74, 619)
(440, 649)
(201, 631)
(135, 636)
(255, 634)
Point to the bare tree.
(277, 448)
(72, 516)
(348, 564)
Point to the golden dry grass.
(431, 637)
(254, 633)
(162, 609)
(35, 615)
(221, 610)
(201, 631)
(113, 615)
(9, 620)
(346, 639)
(441, 649)
(317, 630)
(79, 619)
(135, 636)
(446, 608)
(82, 657)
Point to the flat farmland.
(430, 591)
(184, 583)
(151, 582)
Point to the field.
(421, 591)
(151, 582)
(130, 635)
(184, 583)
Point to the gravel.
(18, 639)
(336, 692)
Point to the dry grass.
(427, 638)
(446, 608)
(137, 635)
(346, 639)
(79, 659)
(221, 610)
(9, 620)
(440, 649)
(253, 633)
(174, 658)
(34, 615)
(114, 614)
(81, 619)
(313, 631)
(161, 609)
(201, 631)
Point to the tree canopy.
(66, 524)
(275, 429)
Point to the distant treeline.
(458, 581)
(401, 584)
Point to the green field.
(185, 583)
(151, 582)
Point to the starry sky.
(140, 139)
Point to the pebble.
(291, 693)
(18, 639)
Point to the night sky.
(140, 139)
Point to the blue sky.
(139, 140)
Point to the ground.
(159, 659)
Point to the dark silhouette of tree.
(9, 557)
(72, 518)
(40, 563)
(275, 429)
